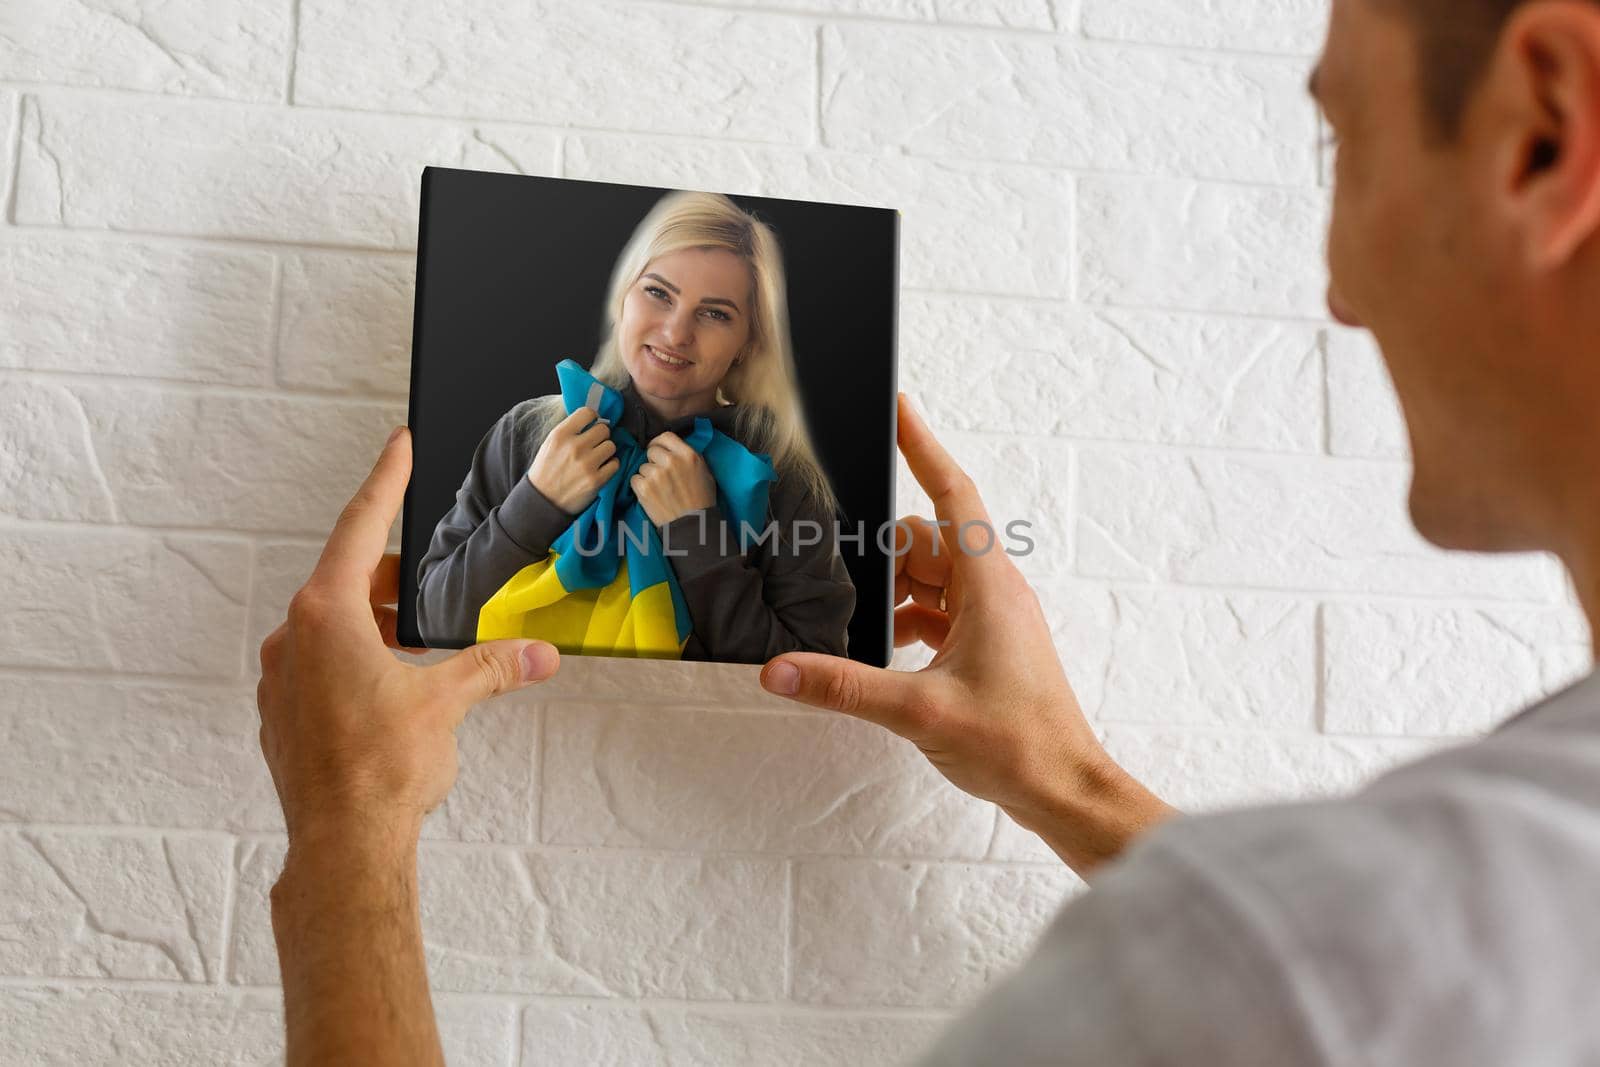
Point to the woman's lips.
(655, 357)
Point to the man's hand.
(361, 747)
(353, 736)
(992, 710)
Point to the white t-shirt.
(1447, 914)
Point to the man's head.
(1466, 235)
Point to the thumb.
(897, 700)
(492, 668)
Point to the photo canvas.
(650, 422)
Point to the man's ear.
(1546, 73)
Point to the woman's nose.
(680, 327)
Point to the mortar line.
(732, 1008)
(817, 140)
(540, 764)
(253, 569)
(229, 913)
(1327, 392)
(15, 175)
(1071, 532)
(294, 53)
(181, 387)
(1064, 303)
(275, 375)
(974, 163)
(791, 925)
(1076, 36)
(1319, 661)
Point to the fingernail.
(538, 661)
(784, 680)
(394, 435)
(911, 402)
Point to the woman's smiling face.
(683, 323)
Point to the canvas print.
(650, 422)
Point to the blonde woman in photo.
(696, 326)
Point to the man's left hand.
(359, 743)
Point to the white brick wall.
(1112, 218)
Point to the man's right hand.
(992, 710)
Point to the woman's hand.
(674, 480)
(570, 466)
(993, 710)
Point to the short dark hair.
(1454, 40)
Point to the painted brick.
(346, 323)
(1021, 481)
(1058, 103)
(1199, 770)
(136, 309)
(579, 1032)
(1208, 770)
(1418, 670)
(726, 74)
(1275, 523)
(98, 905)
(1017, 14)
(66, 1027)
(52, 470)
(914, 934)
(1212, 770)
(1278, 26)
(1177, 657)
(1364, 417)
(122, 600)
(135, 755)
(611, 925)
(1002, 366)
(710, 782)
(962, 226)
(496, 792)
(174, 457)
(237, 49)
(1202, 247)
(277, 175)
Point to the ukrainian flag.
(607, 588)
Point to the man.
(1443, 915)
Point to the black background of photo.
(512, 275)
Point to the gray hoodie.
(746, 607)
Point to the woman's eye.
(656, 291)
(722, 316)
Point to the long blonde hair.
(764, 384)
